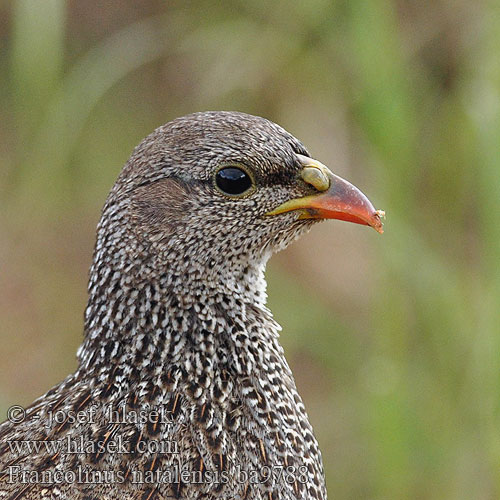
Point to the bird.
(182, 388)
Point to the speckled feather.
(176, 319)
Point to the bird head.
(217, 192)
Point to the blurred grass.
(394, 340)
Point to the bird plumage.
(176, 327)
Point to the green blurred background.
(394, 339)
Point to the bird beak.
(337, 198)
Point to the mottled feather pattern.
(176, 320)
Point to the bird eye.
(233, 180)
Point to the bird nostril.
(316, 178)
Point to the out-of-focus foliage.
(394, 340)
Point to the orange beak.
(336, 199)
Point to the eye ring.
(234, 181)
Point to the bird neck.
(156, 321)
